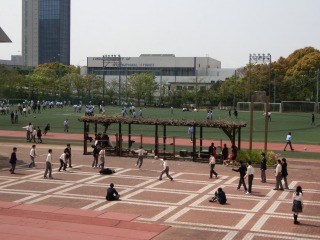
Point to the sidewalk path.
(179, 141)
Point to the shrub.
(255, 156)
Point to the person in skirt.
(297, 204)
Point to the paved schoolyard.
(182, 204)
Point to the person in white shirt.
(212, 163)
(102, 155)
(249, 175)
(48, 165)
(66, 125)
(165, 169)
(278, 176)
(33, 135)
(140, 152)
(297, 200)
(33, 155)
(289, 140)
(63, 163)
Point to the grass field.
(281, 124)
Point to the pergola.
(230, 128)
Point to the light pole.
(317, 101)
(234, 89)
(262, 59)
(106, 59)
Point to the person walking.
(13, 160)
(313, 120)
(48, 165)
(212, 163)
(66, 125)
(190, 133)
(278, 176)
(263, 168)
(46, 129)
(96, 151)
(242, 171)
(102, 155)
(112, 194)
(33, 155)
(39, 135)
(225, 152)
(68, 155)
(140, 152)
(297, 205)
(165, 168)
(33, 135)
(284, 173)
(288, 142)
(249, 175)
(62, 160)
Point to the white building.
(176, 72)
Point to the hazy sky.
(227, 30)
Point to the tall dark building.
(45, 31)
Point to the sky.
(226, 30)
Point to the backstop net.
(298, 106)
(259, 106)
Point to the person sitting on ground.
(112, 193)
(107, 171)
(219, 196)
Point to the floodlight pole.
(234, 88)
(259, 58)
(119, 62)
(317, 100)
(103, 83)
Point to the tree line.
(287, 79)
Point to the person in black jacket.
(263, 168)
(112, 193)
(13, 160)
(219, 196)
(242, 170)
(284, 172)
(96, 151)
(68, 156)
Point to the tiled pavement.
(182, 203)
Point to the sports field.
(299, 124)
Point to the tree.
(142, 86)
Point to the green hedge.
(255, 156)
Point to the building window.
(179, 87)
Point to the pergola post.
(164, 140)
(129, 136)
(174, 148)
(234, 136)
(201, 129)
(156, 141)
(120, 140)
(239, 137)
(194, 143)
(85, 145)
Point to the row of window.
(130, 71)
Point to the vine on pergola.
(227, 127)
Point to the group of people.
(34, 133)
(246, 172)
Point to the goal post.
(258, 106)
